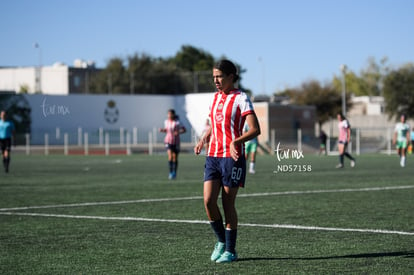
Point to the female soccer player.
(7, 132)
(251, 150)
(401, 138)
(343, 140)
(225, 168)
(173, 130)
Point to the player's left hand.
(233, 152)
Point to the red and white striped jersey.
(227, 116)
(172, 128)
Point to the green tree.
(117, 77)
(140, 70)
(189, 71)
(166, 78)
(368, 82)
(353, 83)
(399, 92)
(192, 59)
(149, 75)
(327, 99)
(114, 79)
(175, 75)
(373, 76)
(24, 89)
(195, 67)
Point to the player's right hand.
(198, 148)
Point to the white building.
(58, 79)
(367, 105)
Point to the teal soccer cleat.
(218, 251)
(227, 257)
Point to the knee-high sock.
(218, 229)
(174, 166)
(231, 237)
(348, 156)
(6, 162)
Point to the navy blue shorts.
(231, 173)
(5, 144)
(173, 147)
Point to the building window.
(76, 81)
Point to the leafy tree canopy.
(368, 82)
(192, 59)
(327, 99)
(399, 91)
(189, 71)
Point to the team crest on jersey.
(219, 117)
(111, 112)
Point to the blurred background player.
(401, 138)
(173, 130)
(344, 137)
(251, 149)
(7, 132)
(412, 141)
(322, 147)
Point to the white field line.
(98, 203)
(284, 226)
(368, 189)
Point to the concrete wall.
(287, 119)
(148, 112)
(112, 112)
(95, 111)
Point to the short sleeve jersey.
(172, 127)
(6, 129)
(227, 116)
(402, 129)
(343, 130)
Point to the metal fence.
(150, 141)
(369, 140)
(99, 141)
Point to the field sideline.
(120, 214)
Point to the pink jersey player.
(344, 137)
(173, 129)
(344, 128)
